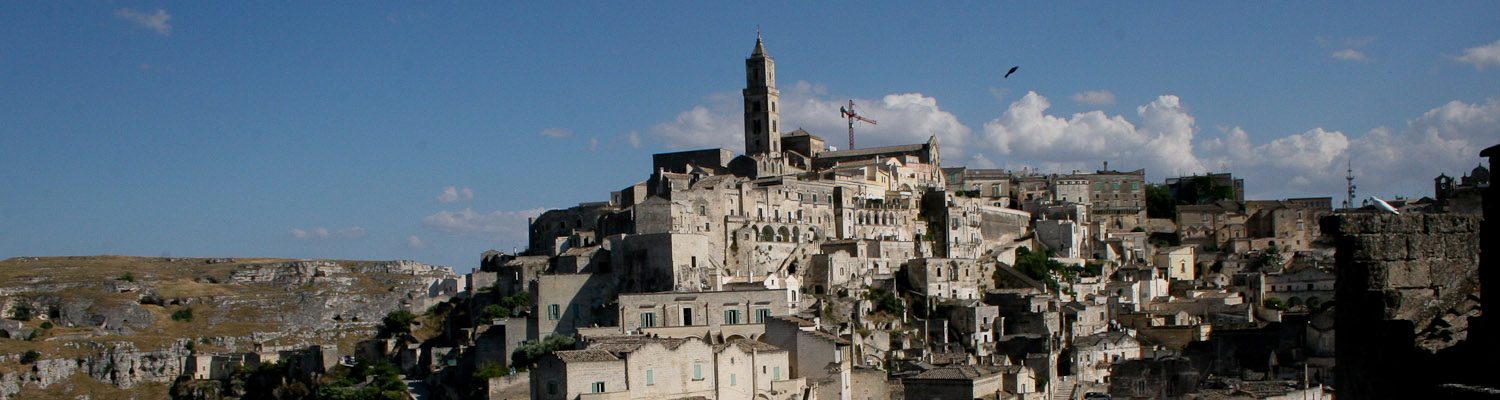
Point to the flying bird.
(1012, 71)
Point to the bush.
(490, 370)
(493, 311)
(185, 314)
(126, 277)
(1274, 303)
(30, 356)
(47, 325)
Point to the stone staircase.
(1065, 389)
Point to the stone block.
(1405, 275)
(1380, 247)
(1449, 223)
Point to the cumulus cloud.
(321, 233)
(557, 133)
(719, 123)
(1162, 143)
(1094, 97)
(1446, 139)
(1350, 55)
(158, 21)
(1482, 56)
(903, 118)
(500, 226)
(414, 242)
(454, 194)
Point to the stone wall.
(1407, 287)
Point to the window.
(552, 387)
(687, 316)
(731, 380)
(697, 371)
(776, 373)
(576, 315)
(648, 320)
(731, 317)
(598, 387)
(553, 311)
(650, 378)
(761, 315)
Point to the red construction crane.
(849, 113)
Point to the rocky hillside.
(119, 327)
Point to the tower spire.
(762, 119)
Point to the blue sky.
(430, 132)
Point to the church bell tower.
(762, 123)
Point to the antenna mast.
(1349, 187)
(849, 114)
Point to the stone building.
(1093, 356)
(944, 278)
(821, 358)
(1118, 199)
(955, 382)
(720, 313)
(1178, 261)
(640, 367)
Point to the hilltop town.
(798, 271)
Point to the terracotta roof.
(1100, 338)
(748, 346)
(961, 372)
(589, 355)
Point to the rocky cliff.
(120, 327)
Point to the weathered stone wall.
(1407, 286)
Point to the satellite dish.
(1381, 204)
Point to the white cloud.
(454, 194)
(634, 138)
(902, 118)
(320, 233)
(593, 144)
(717, 124)
(1387, 162)
(1350, 55)
(557, 133)
(1482, 56)
(1094, 97)
(414, 242)
(1162, 143)
(500, 226)
(157, 21)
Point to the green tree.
(1039, 265)
(530, 352)
(1159, 202)
(1273, 303)
(397, 323)
(885, 301)
(30, 356)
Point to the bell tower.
(762, 122)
